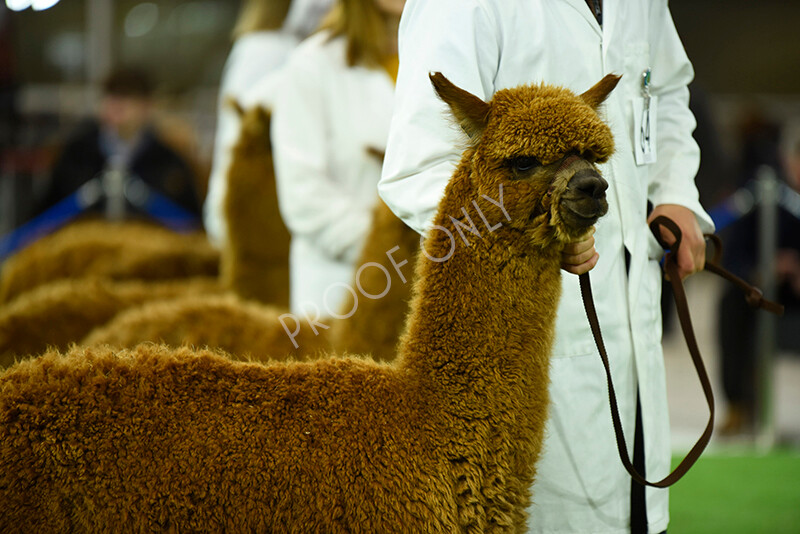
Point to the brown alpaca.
(65, 311)
(443, 439)
(248, 331)
(245, 330)
(255, 262)
(117, 251)
(253, 265)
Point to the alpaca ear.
(471, 112)
(264, 116)
(600, 91)
(261, 126)
(376, 153)
(234, 105)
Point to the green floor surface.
(743, 493)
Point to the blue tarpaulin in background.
(148, 201)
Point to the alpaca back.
(112, 250)
(245, 330)
(255, 262)
(64, 311)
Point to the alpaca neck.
(481, 322)
(384, 269)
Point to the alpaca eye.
(523, 163)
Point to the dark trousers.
(737, 339)
(638, 501)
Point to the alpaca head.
(541, 144)
(254, 122)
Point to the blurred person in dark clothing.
(715, 179)
(122, 138)
(737, 321)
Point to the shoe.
(738, 420)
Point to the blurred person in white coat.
(266, 31)
(329, 127)
(486, 45)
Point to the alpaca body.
(487, 362)
(64, 311)
(245, 330)
(377, 323)
(179, 475)
(112, 250)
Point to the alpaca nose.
(589, 183)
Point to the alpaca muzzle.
(584, 201)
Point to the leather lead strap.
(753, 295)
(754, 298)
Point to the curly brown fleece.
(65, 311)
(255, 262)
(443, 439)
(247, 330)
(113, 250)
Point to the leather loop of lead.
(753, 296)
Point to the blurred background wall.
(746, 56)
(52, 60)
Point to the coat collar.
(583, 9)
(609, 16)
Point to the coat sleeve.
(313, 203)
(224, 138)
(458, 38)
(672, 176)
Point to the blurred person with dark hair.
(737, 321)
(330, 125)
(264, 35)
(121, 138)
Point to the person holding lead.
(483, 46)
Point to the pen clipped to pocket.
(645, 109)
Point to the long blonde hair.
(365, 28)
(260, 15)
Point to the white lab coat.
(486, 45)
(250, 76)
(327, 116)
